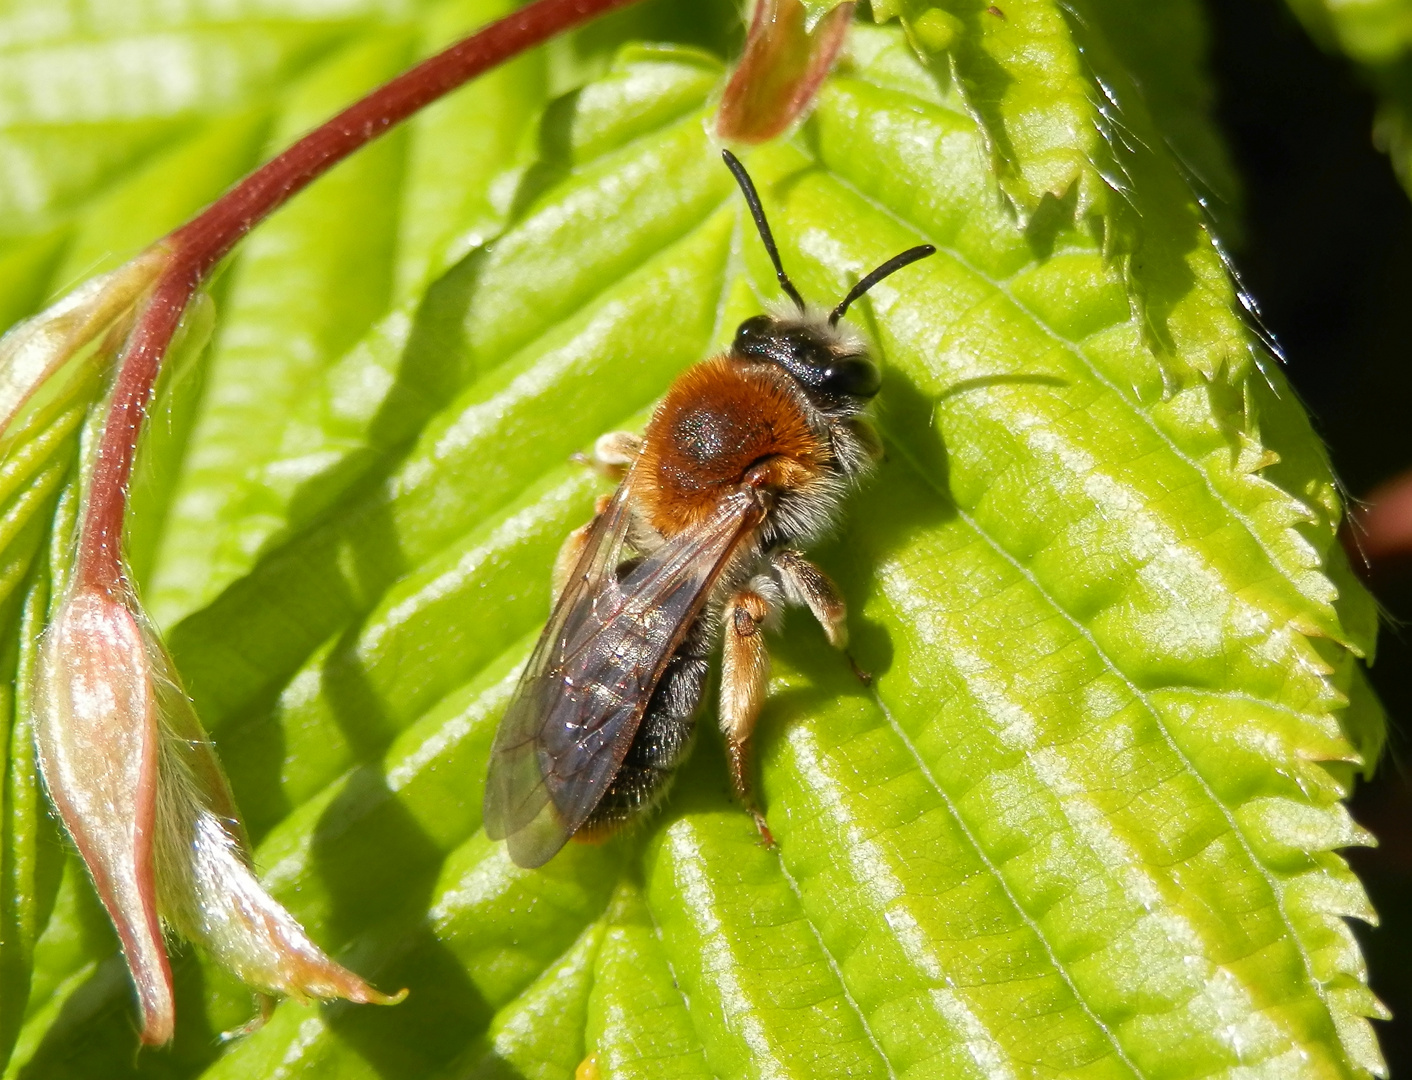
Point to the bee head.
(827, 362)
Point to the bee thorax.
(723, 425)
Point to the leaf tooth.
(1247, 747)
(1336, 960)
(1331, 889)
(1359, 1001)
(1283, 832)
(1360, 1042)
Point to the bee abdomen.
(662, 741)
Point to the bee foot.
(767, 838)
(864, 677)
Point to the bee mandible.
(744, 463)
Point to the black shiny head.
(823, 361)
(814, 354)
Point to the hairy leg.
(612, 454)
(805, 584)
(572, 548)
(745, 671)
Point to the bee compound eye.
(855, 376)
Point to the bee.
(743, 464)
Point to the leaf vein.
(1004, 884)
(834, 967)
(1139, 695)
(1077, 350)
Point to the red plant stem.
(198, 245)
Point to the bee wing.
(588, 682)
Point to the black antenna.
(894, 264)
(752, 200)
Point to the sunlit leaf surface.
(1084, 821)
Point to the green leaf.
(1085, 819)
(539, 1035)
(638, 1023)
(31, 861)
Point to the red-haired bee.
(746, 461)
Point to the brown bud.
(96, 732)
(139, 789)
(784, 62)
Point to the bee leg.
(617, 449)
(805, 584)
(572, 548)
(745, 671)
(612, 453)
(856, 443)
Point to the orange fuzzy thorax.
(723, 423)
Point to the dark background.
(1328, 252)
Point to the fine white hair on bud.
(142, 794)
(788, 52)
(206, 889)
(96, 732)
(34, 350)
